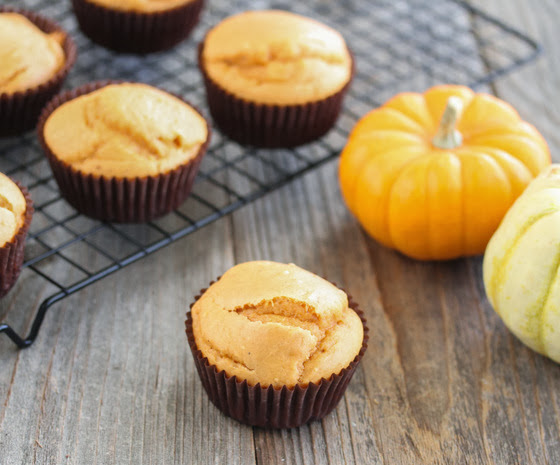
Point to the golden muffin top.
(276, 57)
(143, 6)
(125, 130)
(12, 209)
(276, 324)
(28, 56)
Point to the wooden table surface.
(110, 379)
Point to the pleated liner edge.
(137, 32)
(12, 253)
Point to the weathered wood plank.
(111, 378)
(533, 91)
(111, 381)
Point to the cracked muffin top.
(126, 131)
(143, 6)
(12, 209)
(276, 324)
(276, 57)
(29, 57)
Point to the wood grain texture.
(110, 379)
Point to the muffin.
(36, 55)
(275, 345)
(16, 210)
(274, 78)
(137, 26)
(123, 152)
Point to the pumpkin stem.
(447, 137)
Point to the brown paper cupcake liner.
(270, 126)
(20, 110)
(11, 253)
(134, 200)
(270, 407)
(137, 32)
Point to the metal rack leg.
(23, 343)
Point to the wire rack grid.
(399, 45)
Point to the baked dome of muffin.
(145, 6)
(12, 209)
(276, 57)
(125, 130)
(29, 56)
(276, 324)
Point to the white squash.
(522, 266)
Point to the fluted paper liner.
(120, 200)
(20, 110)
(137, 32)
(270, 126)
(271, 407)
(12, 252)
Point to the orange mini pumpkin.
(433, 174)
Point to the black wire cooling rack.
(398, 44)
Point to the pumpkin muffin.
(124, 152)
(16, 210)
(29, 56)
(137, 26)
(278, 335)
(36, 56)
(274, 78)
